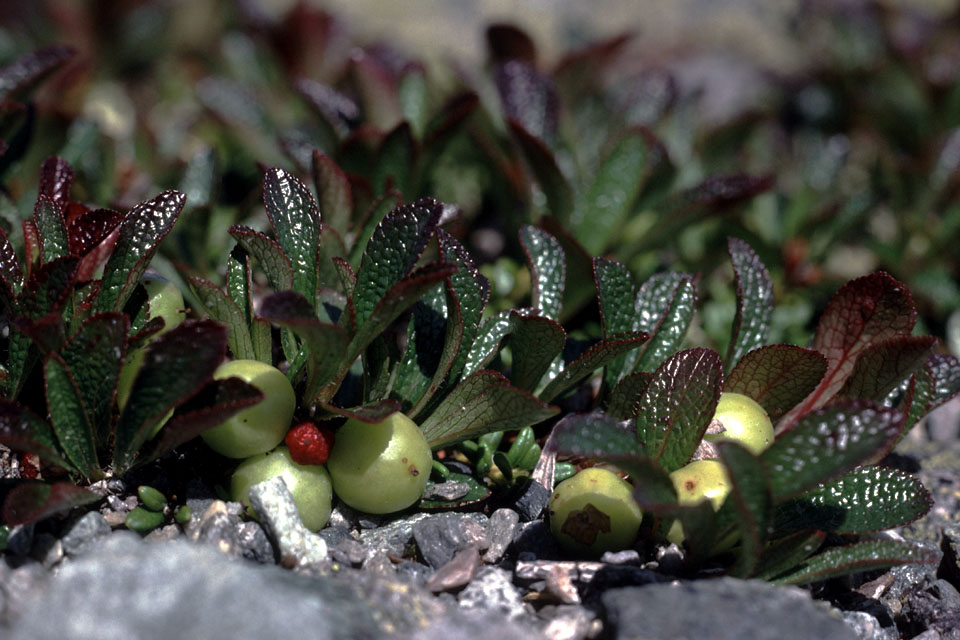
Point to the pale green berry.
(593, 512)
(743, 421)
(698, 481)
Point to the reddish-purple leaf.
(275, 264)
(754, 301)
(334, 192)
(56, 177)
(295, 219)
(47, 289)
(528, 97)
(544, 166)
(32, 501)
(678, 404)
(378, 91)
(624, 400)
(90, 228)
(11, 275)
(864, 313)
(23, 430)
(508, 42)
(777, 377)
(32, 67)
(371, 413)
(882, 367)
(597, 356)
(338, 110)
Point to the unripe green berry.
(381, 467)
(698, 481)
(593, 512)
(743, 421)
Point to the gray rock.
(295, 545)
(532, 501)
(500, 532)
(392, 538)
(492, 592)
(866, 627)
(719, 609)
(950, 564)
(568, 622)
(936, 606)
(348, 551)
(458, 572)
(84, 532)
(179, 590)
(20, 540)
(47, 550)
(627, 556)
(439, 537)
(217, 527)
(18, 588)
(475, 626)
(163, 534)
(448, 491)
(254, 543)
(535, 538)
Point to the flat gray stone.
(721, 609)
(84, 532)
(439, 537)
(492, 591)
(296, 545)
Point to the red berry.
(309, 444)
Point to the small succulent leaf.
(30, 68)
(678, 404)
(295, 219)
(934, 384)
(619, 179)
(471, 290)
(786, 552)
(595, 357)
(827, 443)
(56, 178)
(224, 309)
(863, 500)
(370, 413)
(535, 341)
(268, 254)
(485, 346)
(528, 97)
(750, 498)
(482, 403)
(754, 302)
(543, 164)
(393, 252)
(90, 230)
(69, 416)
(50, 225)
(32, 501)
(23, 430)
(856, 558)
(664, 308)
(882, 367)
(377, 212)
(778, 377)
(215, 403)
(95, 355)
(615, 296)
(326, 343)
(11, 273)
(624, 402)
(547, 269)
(240, 282)
(400, 297)
(47, 289)
(397, 161)
(176, 366)
(141, 231)
(863, 313)
(333, 191)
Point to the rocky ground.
(486, 574)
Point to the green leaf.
(51, 227)
(11, 274)
(750, 498)
(605, 204)
(23, 430)
(866, 499)
(580, 288)
(485, 346)
(828, 443)
(856, 558)
(664, 309)
(393, 252)
(176, 366)
(535, 342)
(754, 302)
(678, 404)
(785, 553)
(47, 289)
(594, 358)
(326, 343)
(268, 253)
(397, 161)
(31, 501)
(778, 377)
(863, 313)
(452, 343)
(544, 166)
(141, 231)
(881, 368)
(482, 403)
(624, 400)
(471, 289)
(376, 214)
(295, 218)
(547, 270)
(596, 436)
(334, 192)
(69, 416)
(201, 178)
(934, 384)
(95, 355)
(224, 309)
(331, 247)
(240, 282)
(615, 296)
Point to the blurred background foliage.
(826, 134)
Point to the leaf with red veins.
(863, 313)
